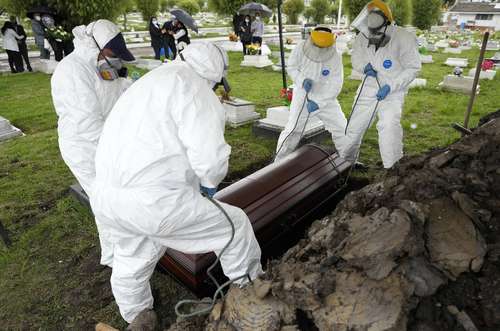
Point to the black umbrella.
(252, 8)
(282, 50)
(185, 18)
(40, 10)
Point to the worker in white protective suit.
(316, 69)
(388, 56)
(85, 86)
(162, 144)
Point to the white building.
(475, 15)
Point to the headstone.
(136, 40)
(431, 47)
(457, 62)
(442, 44)
(485, 74)
(7, 130)
(290, 47)
(426, 58)
(46, 66)
(148, 64)
(258, 61)
(493, 45)
(418, 82)
(239, 112)
(452, 50)
(231, 46)
(458, 84)
(356, 75)
(276, 120)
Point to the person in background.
(85, 86)
(180, 35)
(257, 31)
(10, 38)
(39, 33)
(168, 39)
(21, 43)
(245, 33)
(156, 36)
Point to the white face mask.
(257, 18)
(155, 21)
(37, 17)
(247, 20)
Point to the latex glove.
(312, 106)
(369, 71)
(307, 85)
(383, 92)
(208, 191)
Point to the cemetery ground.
(50, 277)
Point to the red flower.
(487, 65)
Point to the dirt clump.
(418, 251)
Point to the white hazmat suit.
(83, 100)
(163, 139)
(324, 68)
(397, 64)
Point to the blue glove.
(369, 71)
(312, 106)
(383, 92)
(208, 191)
(307, 85)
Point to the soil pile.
(418, 251)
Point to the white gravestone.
(418, 82)
(431, 47)
(231, 46)
(442, 44)
(452, 50)
(457, 62)
(148, 64)
(277, 118)
(7, 130)
(239, 112)
(46, 66)
(458, 84)
(485, 74)
(257, 61)
(426, 58)
(493, 45)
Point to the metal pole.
(476, 79)
(282, 49)
(340, 15)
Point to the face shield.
(367, 19)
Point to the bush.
(190, 6)
(401, 11)
(354, 7)
(426, 13)
(309, 13)
(292, 9)
(148, 8)
(321, 9)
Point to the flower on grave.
(286, 94)
(253, 49)
(454, 43)
(233, 37)
(487, 65)
(289, 41)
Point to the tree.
(225, 7)
(426, 13)
(70, 12)
(190, 6)
(292, 9)
(148, 8)
(309, 13)
(354, 7)
(321, 9)
(401, 11)
(201, 4)
(127, 7)
(333, 12)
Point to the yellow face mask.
(379, 4)
(323, 37)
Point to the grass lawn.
(50, 278)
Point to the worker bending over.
(85, 86)
(317, 73)
(163, 141)
(388, 56)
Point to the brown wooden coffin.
(280, 200)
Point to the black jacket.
(20, 31)
(156, 35)
(245, 30)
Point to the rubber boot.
(145, 321)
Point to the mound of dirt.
(418, 251)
